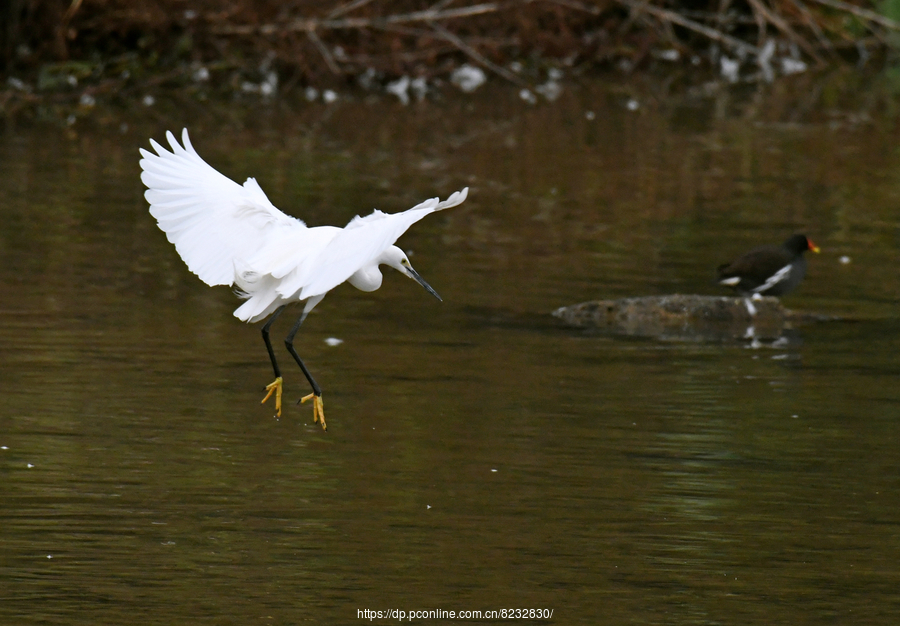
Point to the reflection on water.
(479, 456)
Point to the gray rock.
(685, 317)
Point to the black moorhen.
(768, 270)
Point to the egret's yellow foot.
(318, 409)
(275, 387)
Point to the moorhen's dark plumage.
(768, 270)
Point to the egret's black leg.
(265, 334)
(277, 385)
(316, 395)
(289, 343)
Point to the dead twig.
(578, 6)
(347, 8)
(323, 49)
(440, 4)
(860, 12)
(72, 10)
(773, 18)
(707, 32)
(724, 5)
(760, 23)
(477, 56)
(635, 11)
(813, 25)
(307, 24)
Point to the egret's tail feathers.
(257, 308)
(258, 291)
(245, 278)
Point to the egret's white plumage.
(230, 234)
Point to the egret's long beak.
(415, 276)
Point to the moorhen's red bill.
(769, 270)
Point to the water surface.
(479, 455)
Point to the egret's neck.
(366, 278)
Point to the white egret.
(229, 234)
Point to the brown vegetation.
(51, 45)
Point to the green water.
(479, 455)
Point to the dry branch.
(811, 23)
(478, 57)
(347, 8)
(761, 14)
(778, 22)
(326, 54)
(306, 24)
(710, 33)
(863, 13)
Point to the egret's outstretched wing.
(360, 243)
(211, 219)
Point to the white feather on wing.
(783, 274)
(360, 243)
(212, 220)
